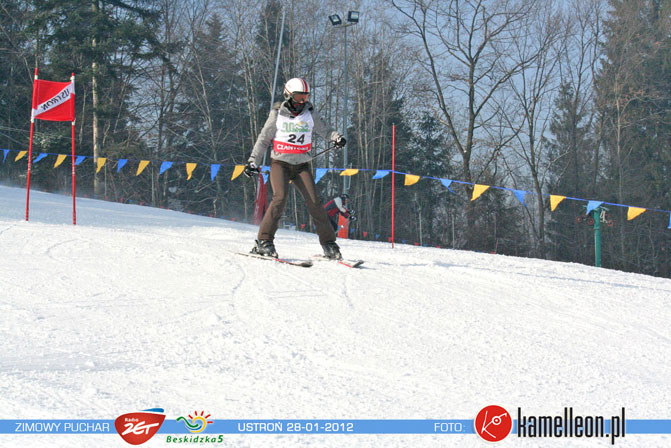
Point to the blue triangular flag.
(592, 205)
(319, 173)
(379, 174)
(265, 177)
(446, 183)
(214, 169)
(39, 157)
(377, 236)
(520, 195)
(6, 152)
(165, 166)
(120, 164)
(79, 160)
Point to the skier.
(289, 126)
(338, 206)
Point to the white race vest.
(294, 135)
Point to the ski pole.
(323, 152)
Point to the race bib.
(293, 135)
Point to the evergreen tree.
(570, 150)
(634, 95)
(104, 42)
(210, 123)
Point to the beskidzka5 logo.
(138, 427)
(197, 422)
(493, 423)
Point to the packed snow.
(136, 307)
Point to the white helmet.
(296, 85)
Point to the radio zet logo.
(493, 423)
(138, 427)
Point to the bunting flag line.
(379, 174)
(140, 168)
(319, 173)
(592, 205)
(555, 200)
(633, 212)
(39, 157)
(189, 170)
(478, 190)
(100, 164)
(214, 169)
(165, 166)
(411, 179)
(237, 171)
(350, 172)
(59, 160)
(519, 194)
(446, 183)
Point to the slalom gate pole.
(393, 180)
(30, 145)
(74, 197)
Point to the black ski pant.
(301, 176)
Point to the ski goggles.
(300, 97)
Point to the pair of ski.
(304, 263)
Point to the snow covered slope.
(136, 308)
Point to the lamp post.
(352, 19)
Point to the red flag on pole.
(261, 202)
(52, 101)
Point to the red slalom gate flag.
(54, 101)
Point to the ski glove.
(352, 218)
(251, 169)
(340, 142)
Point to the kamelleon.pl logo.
(493, 423)
(198, 422)
(138, 427)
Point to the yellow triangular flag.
(189, 170)
(411, 179)
(59, 160)
(633, 212)
(350, 172)
(478, 190)
(143, 164)
(101, 163)
(237, 171)
(20, 155)
(555, 200)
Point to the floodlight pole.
(345, 184)
(352, 21)
(277, 67)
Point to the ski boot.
(332, 251)
(265, 248)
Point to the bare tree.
(466, 45)
(533, 89)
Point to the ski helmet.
(297, 89)
(344, 197)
